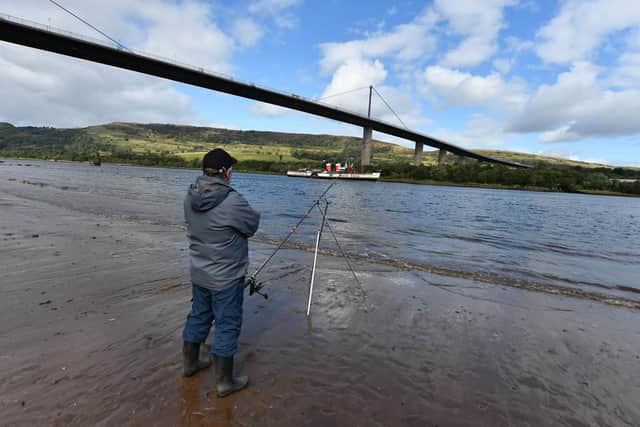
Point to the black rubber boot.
(226, 383)
(191, 359)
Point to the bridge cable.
(389, 106)
(120, 45)
(341, 93)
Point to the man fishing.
(219, 222)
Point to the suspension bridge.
(34, 35)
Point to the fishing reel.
(255, 287)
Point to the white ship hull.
(315, 173)
(374, 176)
(302, 174)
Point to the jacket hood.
(207, 193)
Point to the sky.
(549, 77)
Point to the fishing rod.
(252, 283)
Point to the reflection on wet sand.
(190, 400)
(199, 405)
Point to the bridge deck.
(64, 43)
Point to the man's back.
(219, 222)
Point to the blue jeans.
(225, 307)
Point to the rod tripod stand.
(255, 287)
(326, 223)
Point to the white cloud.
(561, 134)
(571, 155)
(277, 9)
(42, 88)
(263, 109)
(204, 44)
(271, 6)
(555, 106)
(247, 31)
(479, 132)
(502, 65)
(578, 106)
(627, 73)
(155, 26)
(510, 52)
(360, 73)
(456, 88)
(581, 27)
(359, 63)
(355, 73)
(404, 44)
(479, 22)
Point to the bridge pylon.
(441, 155)
(366, 147)
(365, 155)
(417, 153)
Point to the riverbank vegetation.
(541, 177)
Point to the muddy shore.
(93, 305)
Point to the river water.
(556, 239)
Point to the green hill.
(129, 141)
(172, 145)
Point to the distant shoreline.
(390, 180)
(505, 187)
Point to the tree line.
(541, 176)
(75, 145)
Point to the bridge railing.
(203, 70)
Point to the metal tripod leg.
(344, 254)
(315, 258)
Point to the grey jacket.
(219, 222)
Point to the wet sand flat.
(93, 305)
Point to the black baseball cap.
(218, 159)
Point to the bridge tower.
(365, 159)
(417, 153)
(441, 155)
